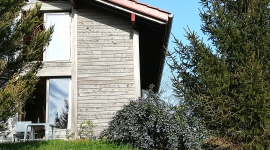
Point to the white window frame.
(69, 38)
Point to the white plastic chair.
(20, 129)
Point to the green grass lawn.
(63, 145)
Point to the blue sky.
(58, 92)
(186, 13)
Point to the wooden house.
(102, 54)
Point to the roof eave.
(142, 8)
(128, 10)
(166, 43)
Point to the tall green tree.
(22, 43)
(63, 119)
(227, 84)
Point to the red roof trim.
(143, 8)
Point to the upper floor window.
(59, 47)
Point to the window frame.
(69, 38)
(69, 100)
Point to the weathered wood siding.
(55, 68)
(105, 65)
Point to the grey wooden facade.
(105, 65)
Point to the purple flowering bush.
(146, 123)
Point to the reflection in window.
(59, 102)
(59, 47)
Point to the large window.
(59, 47)
(52, 103)
(59, 102)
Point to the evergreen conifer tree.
(227, 84)
(22, 43)
(63, 119)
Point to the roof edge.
(108, 3)
(142, 8)
(166, 43)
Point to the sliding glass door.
(58, 102)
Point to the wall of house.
(105, 65)
(55, 68)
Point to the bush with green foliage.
(146, 123)
(86, 131)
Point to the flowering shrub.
(146, 123)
